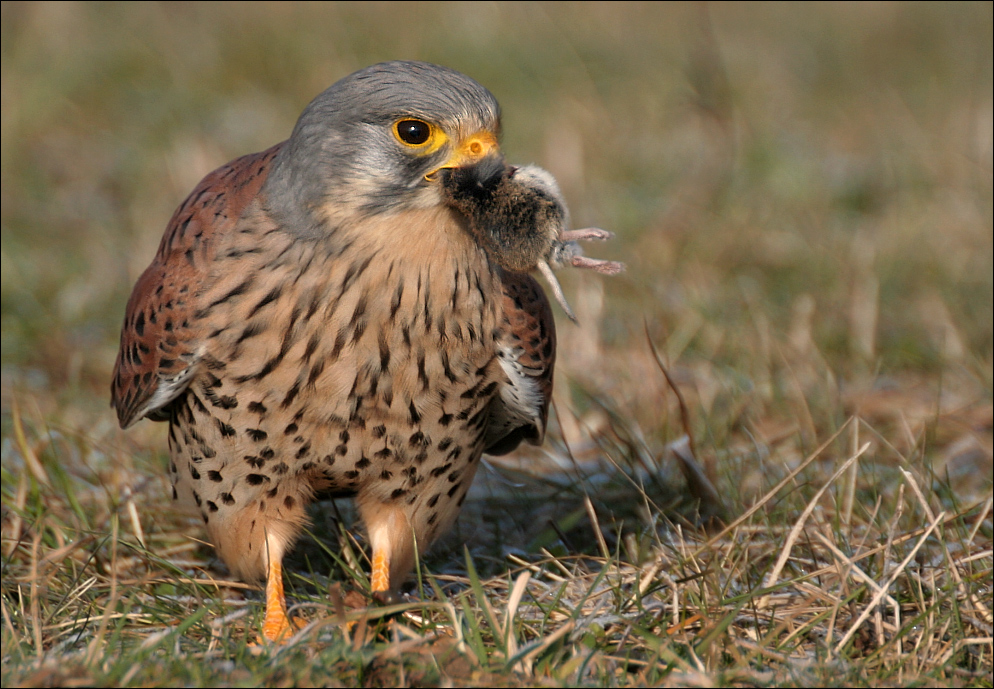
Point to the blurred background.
(802, 193)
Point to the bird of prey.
(350, 312)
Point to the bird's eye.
(413, 132)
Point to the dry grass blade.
(700, 484)
(795, 532)
(770, 494)
(595, 526)
(13, 528)
(851, 567)
(954, 570)
(527, 655)
(27, 452)
(882, 589)
(849, 496)
(510, 639)
(98, 638)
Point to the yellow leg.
(276, 625)
(380, 577)
(391, 537)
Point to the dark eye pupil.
(414, 132)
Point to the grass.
(770, 458)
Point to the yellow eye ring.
(419, 135)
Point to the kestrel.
(349, 312)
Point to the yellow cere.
(469, 150)
(474, 147)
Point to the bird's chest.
(352, 369)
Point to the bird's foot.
(277, 626)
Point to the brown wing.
(160, 338)
(527, 353)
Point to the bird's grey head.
(371, 142)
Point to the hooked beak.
(470, 150)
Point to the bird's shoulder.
(160, 337)
(527, 355)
